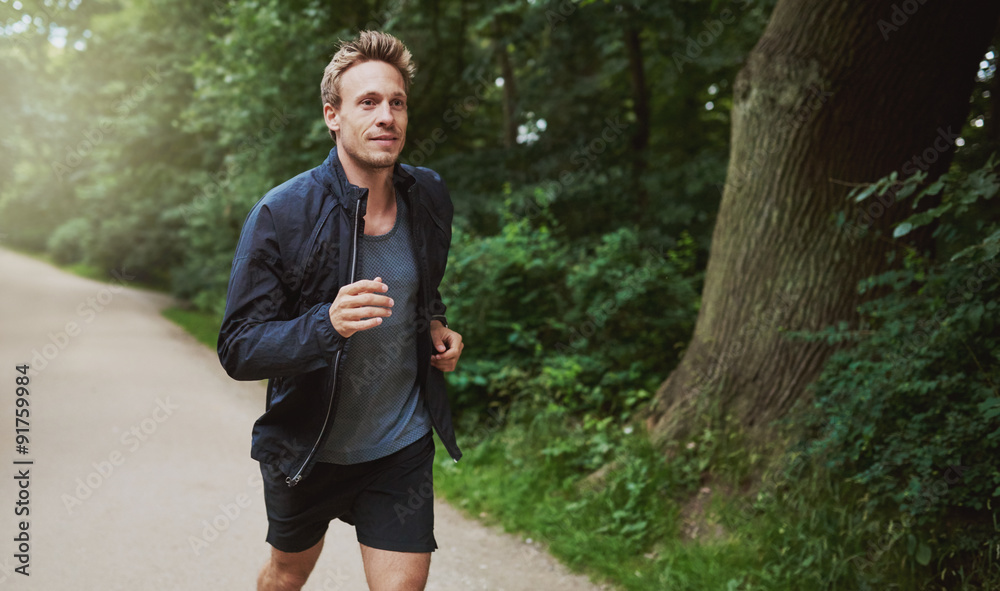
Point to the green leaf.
(866, 192)
(933, 189)
(902, 229)
(905, 191)
(924, 554)
(990, 408)
(964, 252)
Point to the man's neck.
(381, 195)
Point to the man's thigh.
(395, 571)
(298, 517)
(395, 510)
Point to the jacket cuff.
(329, 338)
(441, 318)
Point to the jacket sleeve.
(446, 213)
(438, 308)
(259, 338)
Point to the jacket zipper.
(293, 480)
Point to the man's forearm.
(256, 350)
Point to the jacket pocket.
(446, 231)
(322, 252)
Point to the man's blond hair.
(368, 46)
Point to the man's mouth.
(384, 140)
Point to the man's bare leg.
(395, 571)
(288, 571)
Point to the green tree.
(827, 99)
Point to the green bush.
(67, 244)
(589, 328)
(910, 413)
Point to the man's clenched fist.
(448, 346)
(360, 306)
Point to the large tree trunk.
(833, 94)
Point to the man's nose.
(384, 115)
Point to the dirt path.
(142, 477)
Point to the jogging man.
(334, 299)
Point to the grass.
(202, 325)
(83, 270)
(618, 524)
(610, 506)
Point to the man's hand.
(448, 345)
(360, 306)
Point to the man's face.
(370, 123)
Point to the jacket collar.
(333, 177)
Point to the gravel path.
(142, 477)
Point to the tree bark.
(833, 94)
(509, 96)
(509, 85)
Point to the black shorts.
(389, 501)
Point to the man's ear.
(332, 117)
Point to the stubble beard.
(377, 161)
(373, 160)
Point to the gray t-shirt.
(380, 409)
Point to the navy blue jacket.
(297, 248)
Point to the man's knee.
(407, 580)
(289, 570)
(292, 566)
(287, 580)
(284, 575)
